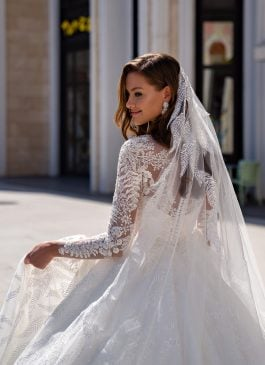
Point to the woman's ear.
(167, 93)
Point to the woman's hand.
(42, 254)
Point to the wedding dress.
(186, 290)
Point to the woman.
(174, 279)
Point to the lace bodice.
(139, 164)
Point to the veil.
(222, 279)
(187, 288)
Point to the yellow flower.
(65, 24)
(82, 24)
(82, 27)
(75, 24)
(82, 19)
(70, 31)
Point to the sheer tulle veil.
(206, 215)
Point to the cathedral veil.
(207, 227)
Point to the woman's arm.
(43, 253)
(119, 234)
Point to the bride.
(174, 279)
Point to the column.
(259, 106)
(186, 35)
(158, 26)
(2, 88)
(249, 134)
(111, 47)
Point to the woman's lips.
(133, 114)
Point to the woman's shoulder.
(138, 144)
(143, 148)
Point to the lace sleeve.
(124, 207)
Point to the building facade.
(60, 62)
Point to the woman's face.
(144, 101)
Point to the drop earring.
(133, 126)
(148, 128)
(164, 107)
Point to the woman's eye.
(138, 94)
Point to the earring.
(164, 107)
(133, 126)
(148, 128)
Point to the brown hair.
(160, 70)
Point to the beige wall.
(27, 88)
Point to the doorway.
(75, 146)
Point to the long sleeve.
(124, 207)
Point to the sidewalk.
(79, 187)
(66, 186)
(33, 210)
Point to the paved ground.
(38, 209)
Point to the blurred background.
(60, 61)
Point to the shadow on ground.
(79, 187)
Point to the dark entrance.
(75, 27)
(219, 70)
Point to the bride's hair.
(160, 70)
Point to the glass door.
(219, 70)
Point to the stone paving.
(39, 209)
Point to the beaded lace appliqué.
(137, 160)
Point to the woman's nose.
(129, 104)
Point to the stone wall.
(27, 88)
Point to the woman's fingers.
(27, 259)
(41, 255)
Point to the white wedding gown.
(160, 303)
